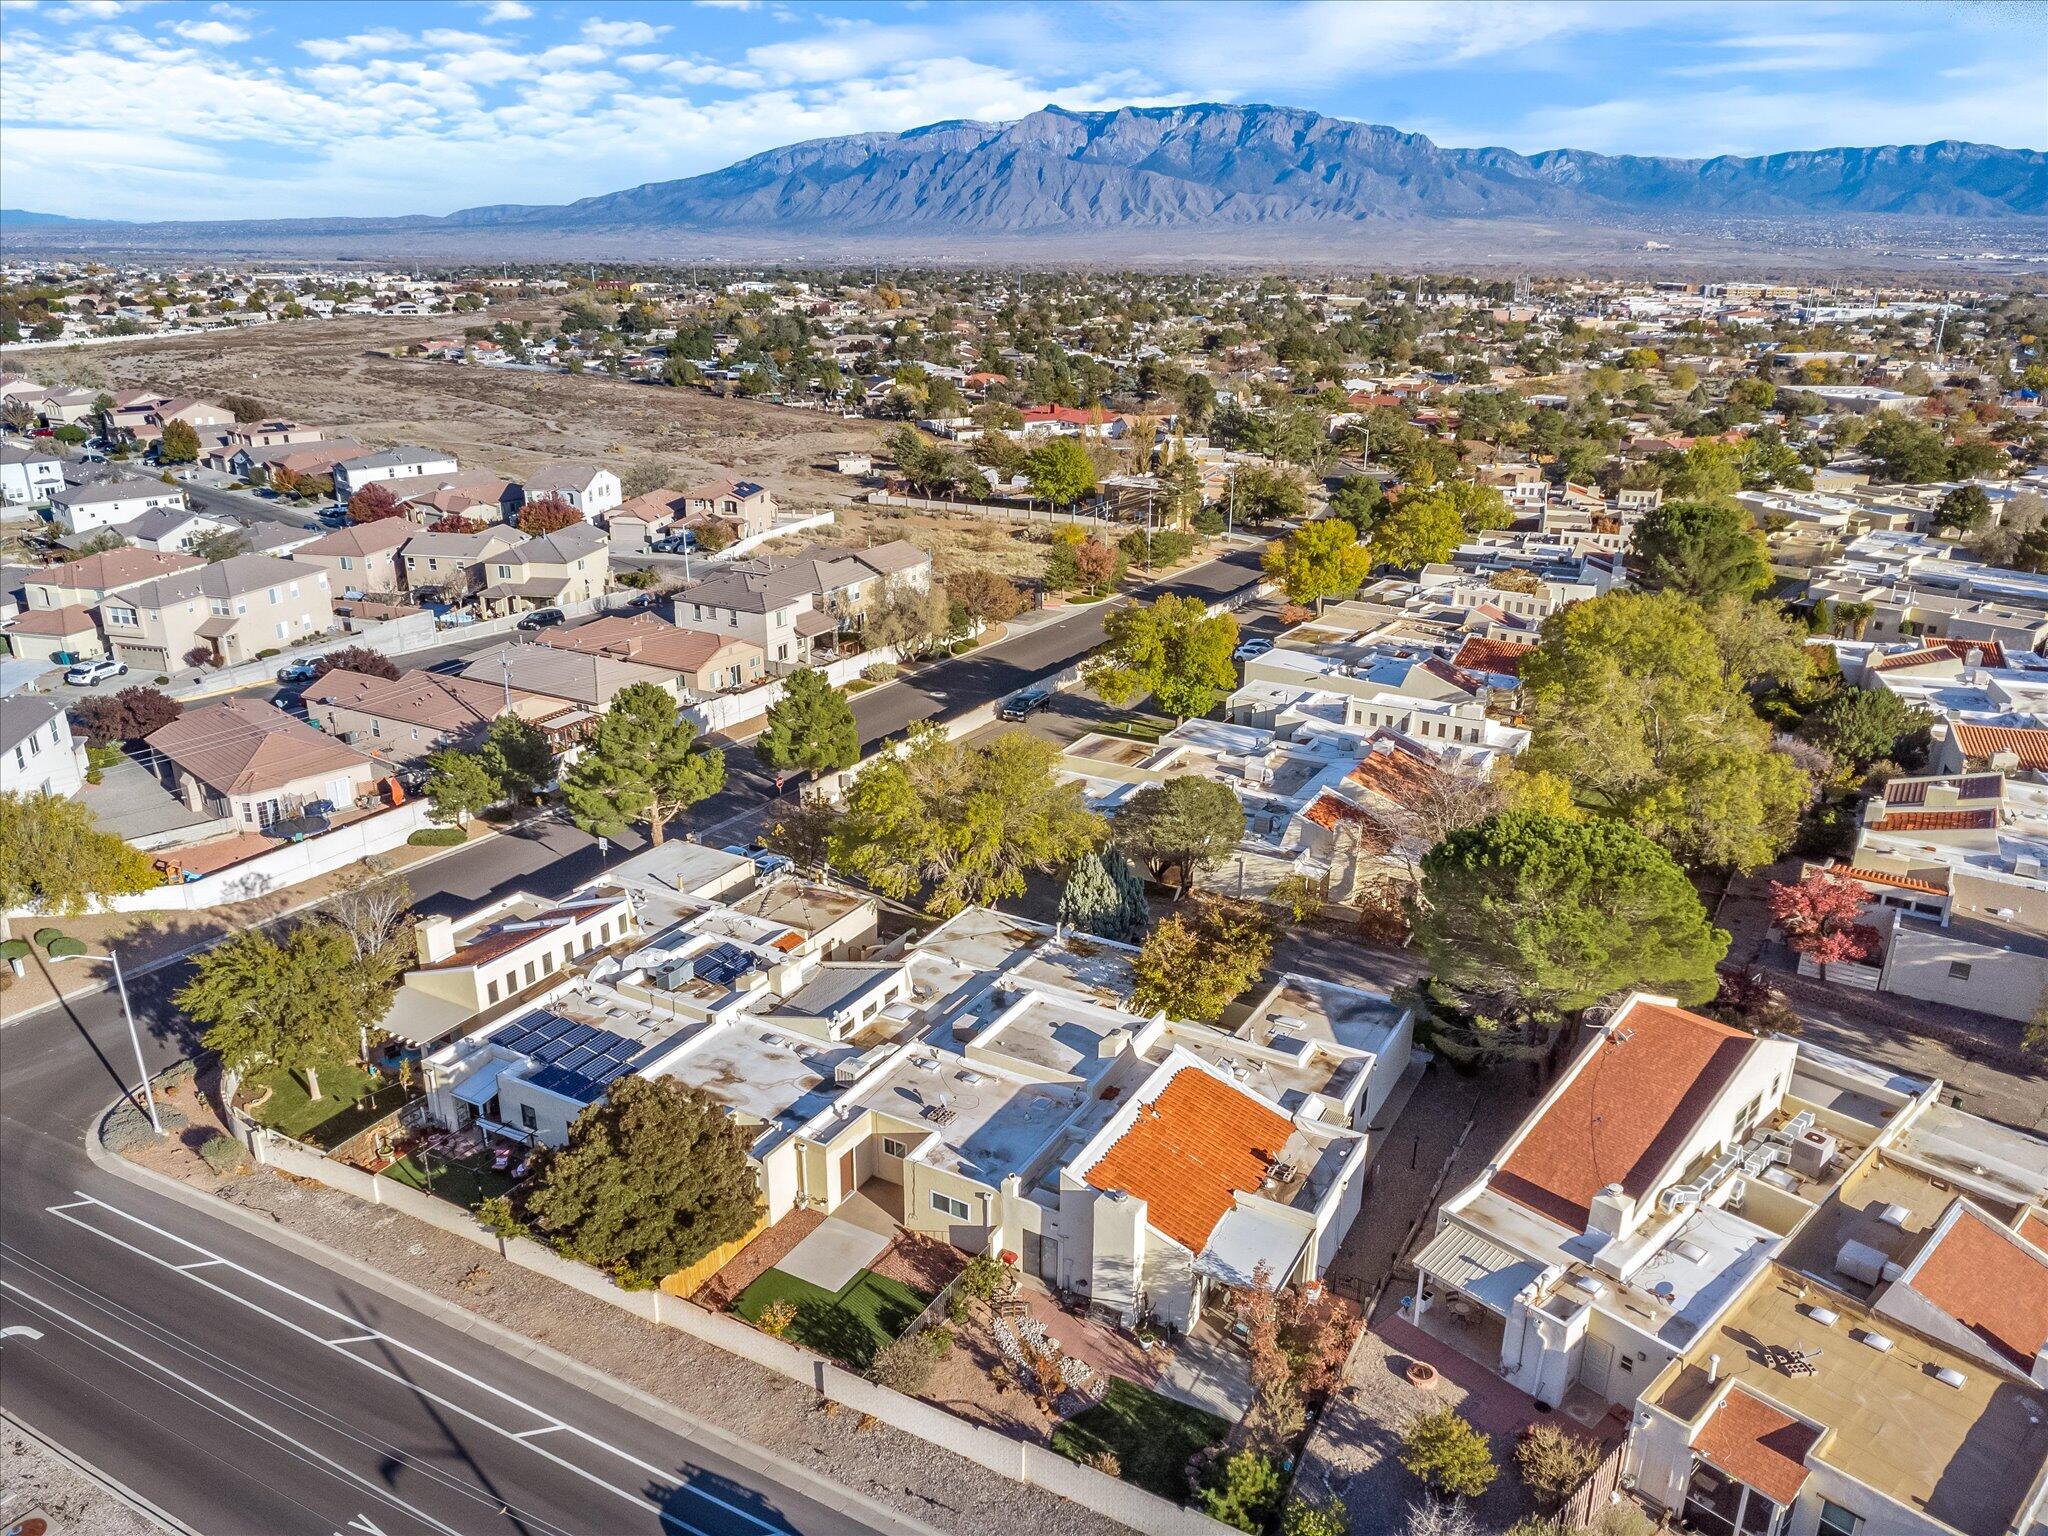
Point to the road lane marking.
(259, 1390)
(187, 1268)
(361, 1338)
(109, 1341)
(545, 1429)
(640, 1500)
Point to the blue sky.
(190, 109)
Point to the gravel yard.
(35, 1480)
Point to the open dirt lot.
(508, 421)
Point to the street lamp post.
(134, 1035)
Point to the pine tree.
(810, 728)
(1105, 897)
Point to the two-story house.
(747, 507)
(38, 754)
(225, 613)
(363, 557)
(453, 565)
(706, 662)
(400, 463)
(108, 504)
(570, 565)
(28, 476)
(591, 489)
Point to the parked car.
(298, 672)
(645, 599)
(334, 517)
(1258, 645)
(543, 618)
(675, 543)
(766, 860)
(89, 674)
(1019, 706)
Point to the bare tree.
(374, 909)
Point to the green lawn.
(345, 1106)
(1140, 728)
(849, 1327)
(459, 1182)
(1152, 1436)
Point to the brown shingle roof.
(643, 638)
(387, 533)
(1630, 1102)
(1758, 1444)
(114, 568)
(1979, 1274)
(435, 700)
(242, 746)
(1190, 1151)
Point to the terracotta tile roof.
(1628, 1105)
(1330, 808)
(2034, 1229)
(1503, 657)
(1994, 1285)
(1979, 786)
(1938, 821)
(1898, 661)
(1755, 1443)
(1879, 877)
(1393, 775)
(2028, 744)
(1189, 1152)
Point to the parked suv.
(543, 618)
(1019, 706)
(88, 674)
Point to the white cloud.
(729, 5)
(214, 33)
(620, 34)
(507, 10)
(381, 40)
(232, 12)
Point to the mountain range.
(1100, 178)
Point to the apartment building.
(227, 612)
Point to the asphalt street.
(245, 1389)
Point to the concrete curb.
(114, 1487)
(599, 1383)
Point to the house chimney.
(435, 938)
(1611, 1212)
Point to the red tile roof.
(1503, 657)
(1900, 660)
(1629, 1103)
(1757, 1444)
(2035, 1230)
(1189, 1152)
(1938, 821)
(2027, 743)
(1879, 877)
(1393, 774)
(1978, 786)
(1989, 1282)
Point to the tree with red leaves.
(1822, 918)
(455, 522)
(372, 504)
(125, 716)
(549, 514)
(357, 658)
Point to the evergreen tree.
(1105, 897)
(811, 728)
(642, 763)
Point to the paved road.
(246, 1390)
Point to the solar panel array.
(577, 1060)
(724, 964)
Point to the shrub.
(1554, 1463)
(266, 653)
(1624, 1519)
(161, 679)
(1448, 1454)
(777, 1318)
(223, 1154)
(906, 1365)
(880, 672)
(1305, 1519)
(1245, 1492)
(1104, 1461)
(983, 1276)
(1299, 897)
(497, 1217)
(438, 837)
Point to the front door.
(1594, 1364)
(846, 1176)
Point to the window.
(1837, 1521)
(1959, 970)
(946, 1205)
(491, 992)
(894, 1148)
(528, 1118)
